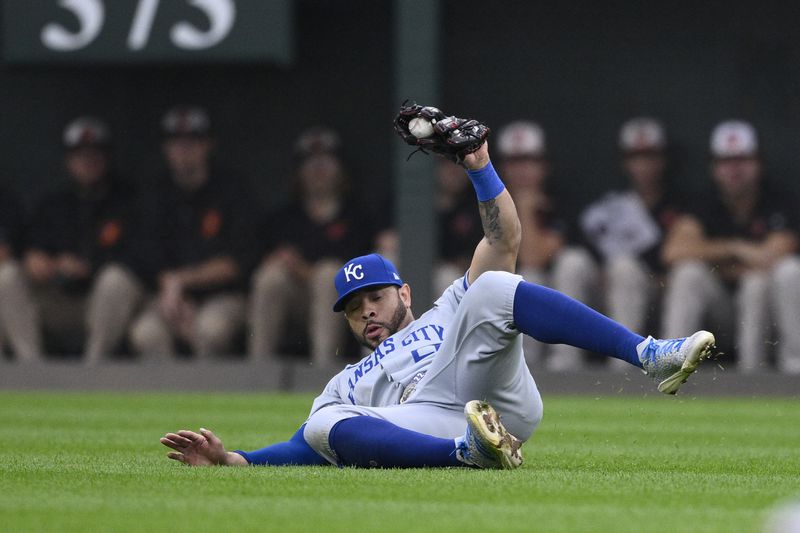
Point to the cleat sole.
(504, 446)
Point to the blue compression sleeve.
(486, 182)
(371, 442)
(295, 451)
(555, 318)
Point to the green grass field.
(92, 462)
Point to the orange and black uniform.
(184, 228)
(348, 234)
(96, 224)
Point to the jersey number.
(425, 351)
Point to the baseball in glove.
(428, 128)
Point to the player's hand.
(387, 243)
(195, 449)
(477, 159)
(751, 256)
(293, 262)
(73, 267)
(39, 267)
(170, 298)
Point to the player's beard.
(393, 326)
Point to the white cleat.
(487, 444)
(671, 361)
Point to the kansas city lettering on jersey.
(419, 343)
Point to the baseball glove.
(451, 137)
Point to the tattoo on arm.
(490, 218)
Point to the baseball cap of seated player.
(186, 121)
(734, 138)
(642, 134)
(86, 132)
(521, 139)
(362, 272)
(316, 140)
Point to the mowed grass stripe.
(78, 462)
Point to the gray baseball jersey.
(465, 348)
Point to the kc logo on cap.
(362, 272)
(354, 270)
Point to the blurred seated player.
(433, 388)
(625, 229)
(733, 256)
(307, 241)
(18, 321)
(546, 255)
(200, 221)
(78, 249)
(458, 221)
(458, 224)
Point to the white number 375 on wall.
(221, 15)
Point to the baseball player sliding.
(433, 389)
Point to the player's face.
(87, 165)
(188, 159)
(524, 173)
(737, 176)
(644, 169)
(321, 175)
(375, 315)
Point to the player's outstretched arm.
(501, 227)
(428, 128)
(200, 449)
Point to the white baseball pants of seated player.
(695, 293)
(623, 285)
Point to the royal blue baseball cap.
(361, 272)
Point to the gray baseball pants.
(481, 358)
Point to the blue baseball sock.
(369, 442)
(555, 318)
(295, 451)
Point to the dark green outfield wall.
(578, 67)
